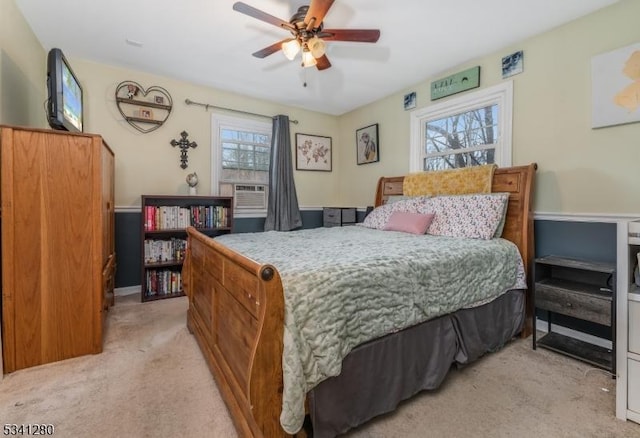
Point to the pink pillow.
(407, 222)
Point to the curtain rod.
(207, 106)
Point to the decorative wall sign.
(456, 83)
(615, 82)
(184, 145)
(135, 104)
(313, 152)
(512, 64)
(410, 101)
(367, 146)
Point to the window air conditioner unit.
(250, 196)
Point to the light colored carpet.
(151, 381)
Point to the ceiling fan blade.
(357, 35)
(323, 63)
(273, 48)
(257, 13)
(317, 10)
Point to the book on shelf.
(169, 250)
(163, 282)
(176, 217)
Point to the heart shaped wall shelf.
(144, 109)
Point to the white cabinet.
(628, 323)
(633, 393)
(634, 327)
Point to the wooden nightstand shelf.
(338, 216)
(579, 289)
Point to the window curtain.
(283, 213)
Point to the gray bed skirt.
(378, 375)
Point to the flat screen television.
(64, 105)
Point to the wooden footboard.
(236, 312)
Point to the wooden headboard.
(518, 228)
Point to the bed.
(237, 315)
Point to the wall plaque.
(456, 83)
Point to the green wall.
(22, 70)
(581, 170)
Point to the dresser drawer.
(332, 216)
(590, 307)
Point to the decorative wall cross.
(184, 145)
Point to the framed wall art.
(615, 87)
(512, 64)
(410, 101)
(367, 145)
(313, 152)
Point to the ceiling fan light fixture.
(307, 59)
(291, 49)
(316, 46)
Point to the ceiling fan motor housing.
(302, 33)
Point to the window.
(470, 130)
(241, 149)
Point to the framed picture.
(512, 64)
(313, 152)
(615, 87)
(367, 146)
(410, 101)
(132, 91)
(143, 113)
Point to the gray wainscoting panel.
(582, 240)
(128, 270)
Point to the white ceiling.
(208, 43)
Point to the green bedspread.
(347, 285)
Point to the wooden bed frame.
(236, 308)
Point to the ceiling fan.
(308, 33)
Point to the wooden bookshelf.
(164, 237)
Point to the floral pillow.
(476, 216)
(379, 217)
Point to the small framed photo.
(512, 64)
(367, 146)
(410, 101)
(313, 152)
(132, 91)
(159, 100)
(143, 113)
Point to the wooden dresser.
(58, 255)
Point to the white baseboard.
(585, 217)
(542, 326)
(129, 290)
